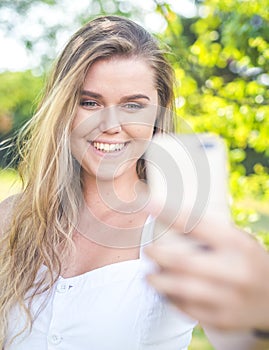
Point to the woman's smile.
(111, 148)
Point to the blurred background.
(220, 52)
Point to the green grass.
(199, 340)
(9, 183)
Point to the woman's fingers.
(198, 298)
(188, 258)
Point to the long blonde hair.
(39, 225)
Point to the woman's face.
(115, 118)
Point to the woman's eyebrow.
(135, 97)
(91, 94)
(123, 99)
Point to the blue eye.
(133, 106)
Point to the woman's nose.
(110, 121)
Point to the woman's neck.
(112, 214)
(125, 192)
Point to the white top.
(109, 308)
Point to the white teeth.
(108, 147)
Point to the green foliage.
(19, 93)
(18, 96)
(223, 87)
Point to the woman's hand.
(216, 274)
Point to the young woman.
(73, 269)
(72, 263)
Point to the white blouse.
(109, 308)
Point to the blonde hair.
(40, 230)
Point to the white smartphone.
(188, 172)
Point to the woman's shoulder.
(7, 204)
(6, 209)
